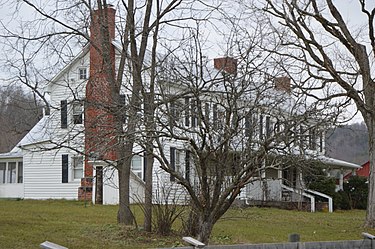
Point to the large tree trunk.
(124, 215)
(370, 215)
(205, 225)
(148, 193)
(150, 126)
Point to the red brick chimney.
(99, 122)
(226, 64)
(283, 84)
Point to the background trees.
(19, 112)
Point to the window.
(77, 167)
(173, 113)
(179, 161)
(248, 119)
(2, 172)
(136, 165)
(11, 173)
(82, 73)
(77, 112)
(64, 114)
(20, 172)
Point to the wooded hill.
(348, 143)
(19, 112)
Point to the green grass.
(27, 223)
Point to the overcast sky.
(349, 9)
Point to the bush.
(341, 201)
(357, 191)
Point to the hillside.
(349, 143)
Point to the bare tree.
(323, 43)
(66, 24)
(223, 126)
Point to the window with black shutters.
(65, 165)
(64, 114)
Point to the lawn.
(27, 223)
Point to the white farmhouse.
(59, 157)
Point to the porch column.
(341, 179)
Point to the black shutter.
(248, 124)
(215, 117)
(64, 114)
(187, 112)
(187, 165)
(144, 165)
(261, 127)
(172, 162)
(65, 163)
(268, 126)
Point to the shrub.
(357, 191)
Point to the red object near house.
(363, 171)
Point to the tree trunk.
(148, 192)
(370, 215)
(124, 215)
(206, 225)
(150, 126)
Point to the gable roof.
(67, 67)
(37, 134)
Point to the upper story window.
(77, 112)
(82, 73)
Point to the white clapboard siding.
(43, 176)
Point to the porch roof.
(9, 155)
(336, 163)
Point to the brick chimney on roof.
(226, 64)
(283, 84)
(99, 121)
